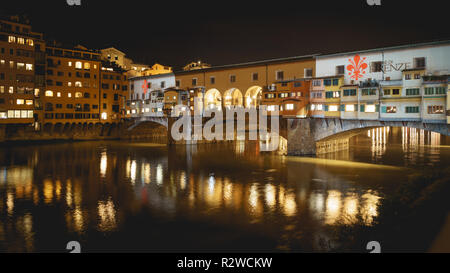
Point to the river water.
(128, 196)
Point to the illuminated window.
(11, 39)
(333, 108)
(391, 109)
(36, 92)
(29, 102)
(49, 93)
(69, 95)
(30, 113)
(20, 101)
(30, 42)
(290, 106)
(3, 115)
(78, 95)
(16, 113)
(20, 65)
(2, 89)
(58, 94)
(370, 108)
(271, 108)
(69, 84)
(11, 90)
(69, 63)
(78, 84)
(29, 67)
(349, 108)
(78, 65)
(87, 66)
(21, 41)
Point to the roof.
(247, 64)
(113, 48)
(152, 76)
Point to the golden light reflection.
(270, 195)
(333, 206)
(145, 173)
(350, 209)
(290, 205)
(103, 164)
(10, 203)
(107, 215)
(369, 208)
(48, 191)
(159, 175)
(183, 180)
(133, 171)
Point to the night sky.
(224, 32)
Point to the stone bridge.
(309, 136)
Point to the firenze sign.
(357, 66)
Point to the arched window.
(79, 65)
(78, 95)
(49, 93)
(87, 66)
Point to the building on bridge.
(408, 82)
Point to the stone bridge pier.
(311, 136)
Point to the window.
(349, 108)
(429, 91)
(396, 91)
(20, 40)
(332, 94)
(49, 93)
(177, 83)
(368, 92)
(441, 90)
(435, 109)
(212, 80)
(232, 78)
(163, 84)
(417, 76)
(333, 108)
(327, 82)
(20, 101)
(78, 95)
(411, 109)
(391, 109)
(29, 67)
(376, 66)
(335, 82)
(349, 92)
(254, 76)
(297, 84)
(412, 91)
(78, 65)
(270, 108)
(194, 82)
(387, 92)
(87, 66)
(340, 70)
(69, 63)
(419, 62)
(11, 39)
(317, 83)
(407, 76)
(279, 75)
(78, 84)
(290, 106)
(58, 94)
(308, 72)
(370, 108)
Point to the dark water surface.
(121, 196)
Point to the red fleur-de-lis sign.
(357, 67)
(145, 87)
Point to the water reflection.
(97, 187)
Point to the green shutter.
(326, 108)
(377, 108)
(342, 107)
(383, 109)
(362, 108)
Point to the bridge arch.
(213, 99)
(233, 97)
(304, 134)
(253, 96)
